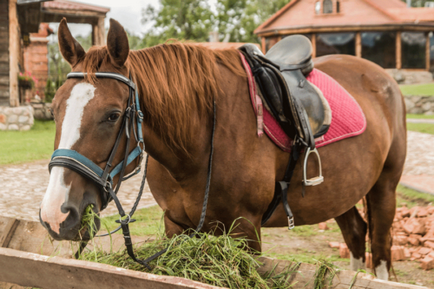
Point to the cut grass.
(25, 146)
(421, 127)
(216, 260)
(418, 89)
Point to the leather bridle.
(104, 177)
(131, 122)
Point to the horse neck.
(181, 163)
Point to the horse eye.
(114, 116)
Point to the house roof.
(301, 13)
(221, 45)
(73, 6)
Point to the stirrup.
(316, 180)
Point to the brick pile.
(413, 237)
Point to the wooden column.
(313, 40)
(398, 50)
(14, 53)
(427, 54)
(263, 44)
(359, 44)
(98, 32)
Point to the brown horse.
(178, 84)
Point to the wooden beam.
(98, 32)
(427, 54)
(359, 44)
(8, 230)
(347, 28)
(263, 44)
(14, 51)
(313, 45)
(398, 50)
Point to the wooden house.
(386, 32)
(20, 19)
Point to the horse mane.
(175, 81)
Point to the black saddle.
(298, 106)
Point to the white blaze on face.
(57, 192)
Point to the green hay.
(216, 260)
(324, 274)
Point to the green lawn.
(418, 89)
(421, 127)
(25, 146)
(420, 116)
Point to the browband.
(110, 75)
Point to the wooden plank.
(313, 40)
(305, 276)
(4, 80)
(4, 93)
(347, 28)
(398, 50)
(28, 269)
(428, 52)
(14, 53)
(358, 44)
(7, 230)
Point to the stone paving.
(23, 186)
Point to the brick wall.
(36, 58)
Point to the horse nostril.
(72, 220)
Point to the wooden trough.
(42, 271)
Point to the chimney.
(213, 36)
(408, 3)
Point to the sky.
(127, 12)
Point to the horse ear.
(69, 47)
(117, 44)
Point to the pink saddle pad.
(348, 119)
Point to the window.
(269, 42)
(413, 49)
(317, 7)
(338, 6)
(335, 43)
(380, 48)
(327, 6)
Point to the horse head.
(89, 114)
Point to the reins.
(132, 121)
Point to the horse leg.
(354, 230)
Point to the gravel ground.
(23, 186)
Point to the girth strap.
(281, 188)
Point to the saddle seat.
(299, 106)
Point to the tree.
(256, 13)
(240, 18)
(194, 19)
(180, 19)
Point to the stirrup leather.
(315, 180)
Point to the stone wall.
(419, 104)
(403, 76)
(42, 110)
(16, 118)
